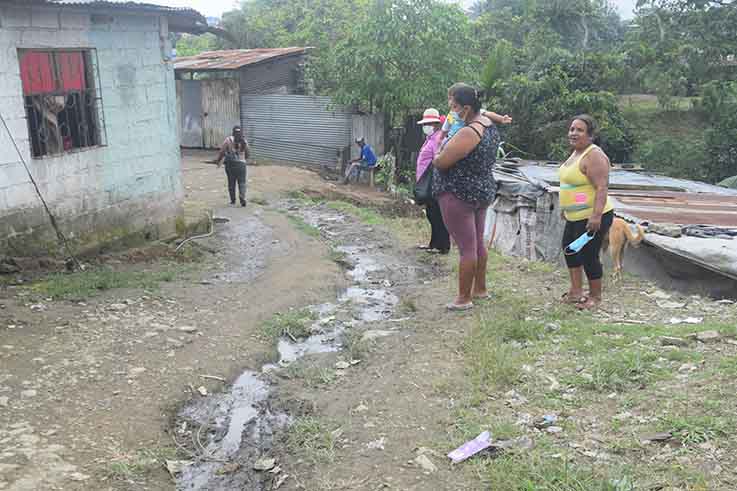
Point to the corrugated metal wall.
(276, 77)
(221, 110)
(370, 127)
(295, 128)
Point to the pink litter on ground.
(471, 448)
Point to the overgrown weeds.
(303, 226)
(621, 370)
(294, 324)
(80, 285)
(531, 471)
(310, 438)
(137, 465)
(311, 375)
(354, 345)
(366, 215)
(696, 429)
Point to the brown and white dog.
(619, 235)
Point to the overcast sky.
(215, 8)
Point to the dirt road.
(304, 346)
(89, 386)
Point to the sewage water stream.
(239, 423)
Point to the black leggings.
(439, 239)
(588, 257)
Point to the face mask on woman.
(428, 130)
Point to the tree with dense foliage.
(542, 61)
(189, 45)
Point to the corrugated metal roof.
(181, 19)
(648, 198)
(678, 208)
(233, 59)
(120, 4)
(618, 178)
(191, 14)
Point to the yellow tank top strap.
(585, 153)
(576, 192)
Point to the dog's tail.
(632, 238)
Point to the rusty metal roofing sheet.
(618, 178)
(677, 207)
(233, 59)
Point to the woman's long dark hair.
(465, 95)
(592, 129)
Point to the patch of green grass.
(670, 141)
(683, 356)
(310, 438)
(366, 215)
(294, 323)
(407, 306)
(136, 466)
(303, 226)
(620, 370)
(313, 376)
(643, 104)
(353, 344)
(468, 424)
(536, 471)
(728, 366)
(493, 363)
(540, 267)
(259, 201)
(301, 196)
(444, 387)
(80, 285)
(411, 230)
(695, 429)
(298, 195)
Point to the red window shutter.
(71, 68)
(36, 72)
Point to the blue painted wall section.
(133, 182)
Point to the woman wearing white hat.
(431, 123)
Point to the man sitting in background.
(366, 160)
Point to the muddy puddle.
(244, 244)
(237, 426)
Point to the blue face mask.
(457, 124)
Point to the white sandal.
(454, 307)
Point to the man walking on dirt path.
(235, 151)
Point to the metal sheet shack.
(264, 90)
(89, 102)
(691, 239)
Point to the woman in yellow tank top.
(585, 205)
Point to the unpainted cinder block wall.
(130, 186)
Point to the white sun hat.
(430, 116)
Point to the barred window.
(62, 101)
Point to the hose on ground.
(195, 237)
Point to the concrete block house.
(88, 96)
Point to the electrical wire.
(62, 238)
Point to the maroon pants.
(465, 222)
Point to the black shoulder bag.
(423, 187)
